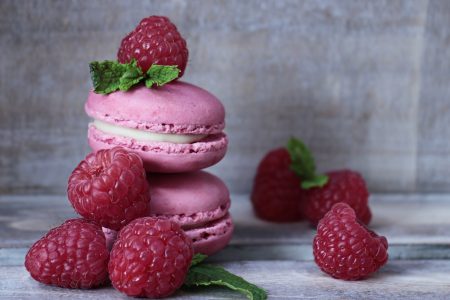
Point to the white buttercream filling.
(146, 135)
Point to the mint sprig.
(160, 75)
(303, 164)
(109, 76)
(132, 76)
(198, 258)
(201, 274)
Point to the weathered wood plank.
(434, 111)
(420, 279)
(350, 77)
(274, 252)
(416, 226)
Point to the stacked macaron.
(177, 130)
(174, 128)
(199, 202)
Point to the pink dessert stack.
(151, 136)
(177, 130)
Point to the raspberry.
(343, 186)
(276, 190)
(155, 40)
(72, 255)
(345, 248)
(110, 188)
(150, 258)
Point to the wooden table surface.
(276, 257)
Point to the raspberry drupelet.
(110, 188)
(345, 248)
(150, 258)
(72, 255)
(342, 186)
(155, 40)
(276, 190)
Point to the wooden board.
(405, 219)
(402, 279)
(275, 256)
(365, 83)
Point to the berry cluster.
(286, 189)
(116, 239)
(109, 188)
(150, 257)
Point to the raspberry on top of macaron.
(139, 104)
(155, 40)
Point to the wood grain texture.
(363, 82)
(434, 111)
(277, 257)
(417, 227)
(419, 279)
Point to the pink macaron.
(174, 128)
(110, 236)
(199, 202)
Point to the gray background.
(364, 83)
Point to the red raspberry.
(150, 258)
(72, 255)
(343, 186)
(345, 248)
(155, 40)
(276, 190)
(110, 188)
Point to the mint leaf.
(205, 275)
(317, 181)
(302, 159)
(160, 75)
(132, 76)
(109, 76)
(303, 164)
(198, 258)
(106, 75)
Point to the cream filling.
(146, 135)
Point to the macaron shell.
(213, 237)
(207, 240)
(196, 219)
(194, 194)
(176, 107)
(165, 157)
(110, 236)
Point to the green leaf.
(198, 258)
(132, 76)
(317, 181)
(160, 75)
(106, 75)
(205, 275)
(302, 159)
(109, 76)
(303, 164)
